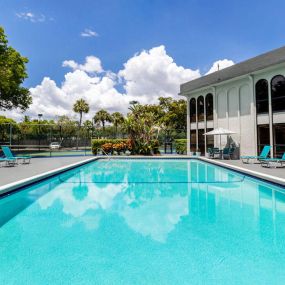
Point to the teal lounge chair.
(8, 161)
(228, 152)
(273, 162)
(8, 153)
(263, 155)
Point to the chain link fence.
(39, 140)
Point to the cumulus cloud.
(88, 33)
(220, 64)
(34, 18)
(92, 64)
(151, 74)
(145, 77)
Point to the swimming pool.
(144, 221)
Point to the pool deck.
(275, 175)
(13, 177)
(39, 168)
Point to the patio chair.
(8, 161)
(228, 152)
(213, 151)
(263, 155)
(273, 162)
(8, 153)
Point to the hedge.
(97, 143)
(181, 146)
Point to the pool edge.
(30, 180)
(252, 173)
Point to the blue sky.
(195, 33)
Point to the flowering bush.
(119, 147)
(107, 148)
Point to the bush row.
(181, 146)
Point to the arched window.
(193, 110)
(261, 95)
(200, 108)
(209, 107)
(278, 93)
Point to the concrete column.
(205, 124)
(270, 117)
(197, 145)
(253, 111)
(188, 125)
(215, 113)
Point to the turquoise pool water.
(144, 222)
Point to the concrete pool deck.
(13, 177)
(19, 175)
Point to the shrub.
(107, 148)
(181, 146)
(98, 143)
(119, 147)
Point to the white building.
(248, 98)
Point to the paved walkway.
(37, 166)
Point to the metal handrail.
(109, 157)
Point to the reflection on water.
(154, 209)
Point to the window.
(200, 108)
(278, 93)
(209, 139)
(192, 110)
(263, 137)
(201, 141)
(193, 140)
(279, 139)
(261, 94)
(209, 107)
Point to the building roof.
(254, 64)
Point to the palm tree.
(117, 119)
(80, 106)
(102, 117)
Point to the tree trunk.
(78, 131)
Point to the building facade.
(247, 98)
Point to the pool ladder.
(104, 152)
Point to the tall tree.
(117, 119)
(102, 117)
(81, 106)
(12, 75)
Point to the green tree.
(102, 117)
(117, 119)
(81, 106)
(12, 75)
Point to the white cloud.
(89, 33)
(144, 77)
(151, 74)
(220, 64)
(92, 64)
(34, 18)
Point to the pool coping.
(252, 173)
(30, 180)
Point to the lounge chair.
(8, 153)
(228, 152)
(273, 162)
(8, 161)
(263, 155)
(213, 151)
